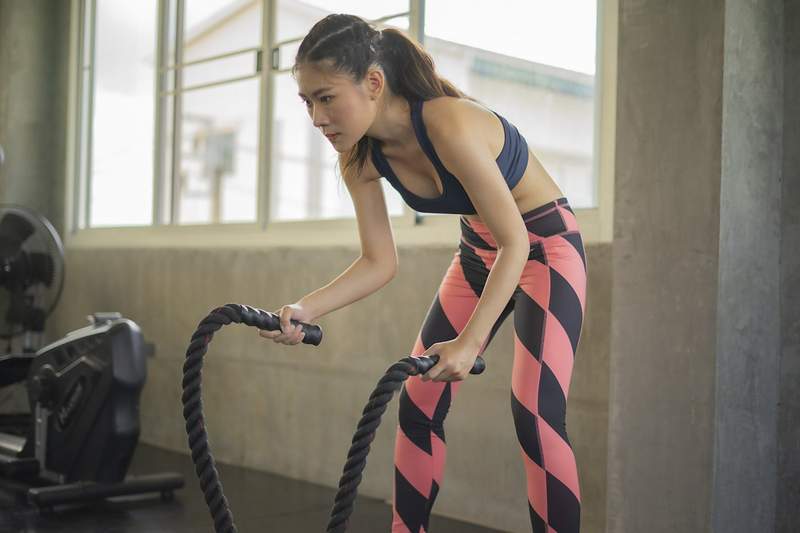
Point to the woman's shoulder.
(448, 117)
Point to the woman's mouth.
(331, 136)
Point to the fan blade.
(42, 268)
(14, 230)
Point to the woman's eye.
(326, 99)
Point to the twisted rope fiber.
(365, 433)
(198, 437)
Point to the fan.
(31, 272)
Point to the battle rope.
(365, 433)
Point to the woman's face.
(339, 107)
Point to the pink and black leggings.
(549, 305)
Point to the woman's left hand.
(456, 358)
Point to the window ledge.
(439, 230)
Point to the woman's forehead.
(312, 78)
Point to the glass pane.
(306, 183)
(223, 69)
(535, 68)
(121, 191)
(295, 18)
(219, 154)
(213, 27)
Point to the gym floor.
(260, 502)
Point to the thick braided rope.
(193, 409)
(198, 437)
(365, 433)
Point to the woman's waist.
(547, 221)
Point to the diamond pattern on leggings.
(531, 335)
(429, 505)
(566, 307)
(563, 508)
(475, 271)
(417, 433)
(472, 237)
(538, 523)
(525, 424)
(410, 504)
(577, 242)
(552, 404)
(536, 253)
(437, 424)
(437, 327)
(547, 225)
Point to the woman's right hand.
(289, 333)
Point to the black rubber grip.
(313, 333)
(426, 363)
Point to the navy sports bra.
(512, 161)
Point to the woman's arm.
(361, 279)
(452, 128)
(378, 262)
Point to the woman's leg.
(420, 449)
(549, 308)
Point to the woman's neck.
(392, 125)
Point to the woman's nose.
(319, 118)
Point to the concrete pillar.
(697, 310)
(788, 496)
(34, 40)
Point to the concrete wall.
(33, 88)
(704, 312)
(664, 265)
(748, 285)
(788, 484)
(293, 409)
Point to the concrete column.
(744, 472)
(34, 40)
(788, 496)
(697, 307)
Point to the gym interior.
(158, 153)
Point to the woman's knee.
(430, 397)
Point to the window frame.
(410, 228)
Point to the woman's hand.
(289, 333)
(456, 358)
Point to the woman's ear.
(375, 83)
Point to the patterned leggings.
(550, 302)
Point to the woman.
(376, 96)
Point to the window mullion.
(177, 114)
(269, 9)
(160, 125)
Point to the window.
(178, 99)
(118, 105)
(305, 179)
(534, 63)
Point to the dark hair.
(350, 45)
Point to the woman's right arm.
(378, 262)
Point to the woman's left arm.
(467, 156)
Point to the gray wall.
(33, 87)
(701, 235)
(788, 484)
(293, 409)
(748, 285)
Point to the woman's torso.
(416, 172)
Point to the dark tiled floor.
(260, 502)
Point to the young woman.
(378, 99)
